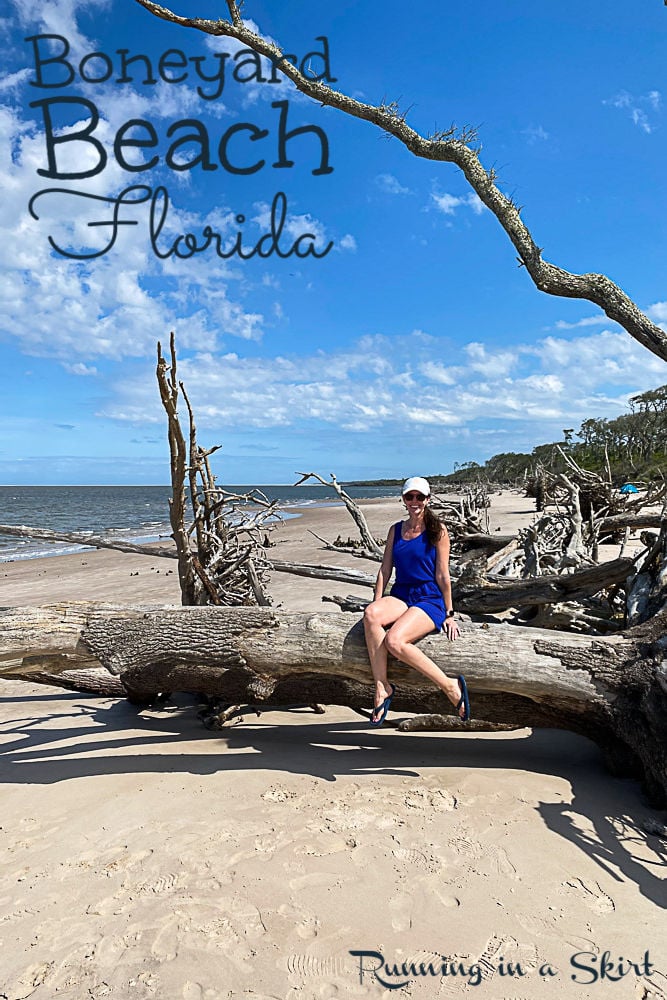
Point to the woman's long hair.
(433, 525)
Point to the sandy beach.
(144, 856)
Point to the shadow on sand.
(64, 736)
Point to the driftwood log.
(371, 547)
(613, 690)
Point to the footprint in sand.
(538, 926)
(161, 885)
(415, 859)
(165, 944)
(592, 894)
(117, 858)
(654, 988)
(469, 849)
(466, 853)
(496, 948)
(430, 800)
(28, 981)
(310, 966)
(445, 899)
(306, 925)
(469, 852)
(502, 863)
(401, 907)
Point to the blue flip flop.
(383, 708)
(463, 700)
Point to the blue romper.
(415, 584)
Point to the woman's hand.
(451, 628)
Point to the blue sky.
(416, 342)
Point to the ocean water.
(135, 513)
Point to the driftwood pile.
(597, 663)
(221, 552)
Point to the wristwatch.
(450, 613)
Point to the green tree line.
(634, 443)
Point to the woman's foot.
(457, 692)
(383, 697)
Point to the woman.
(419, 602)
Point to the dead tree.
(220, 554)
(371, 547)
(613, 690)
(599, 496)
(466, 514)
(449, 146)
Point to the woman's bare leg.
(377, 616)
(410, 627)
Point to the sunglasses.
(414, 496)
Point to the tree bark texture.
(613, 690)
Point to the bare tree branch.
(374, 550)
(449, 147)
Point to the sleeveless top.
(414, 561)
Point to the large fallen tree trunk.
(613, 690)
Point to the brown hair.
(433, 525)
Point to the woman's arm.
(384, 573)
(442, 577)
(444, 581)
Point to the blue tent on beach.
(629, 488)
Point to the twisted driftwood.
(448, 146)
(227, 564)
(613, 690)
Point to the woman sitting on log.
(419, 602)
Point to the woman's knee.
(372, 614)
(395, 644)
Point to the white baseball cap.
(416, 483)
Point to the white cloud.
(295, 226)
(658, 312)
(638, 108)
(80, 369)
(449, 203)
(551, 384)
(394, 385)
(59, 17)
(74, 309)
(13, 81)
(490, 362)
(535, 133)
(390, 185)
(436, 372)
(347, 242)
(561, 324)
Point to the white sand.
(146, 857)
